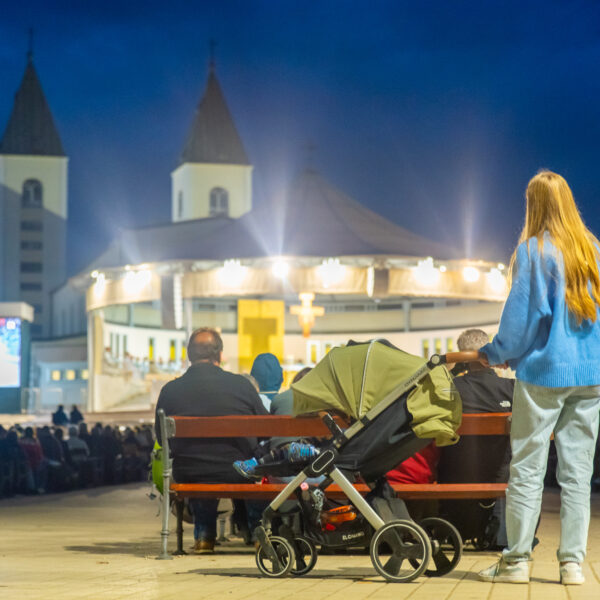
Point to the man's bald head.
(205, 345)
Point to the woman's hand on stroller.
(483, 359)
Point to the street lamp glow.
(280, 268)
(470, 274)
(496, 281)
(135, 281)
(232, 273)
(331, 272)
(425, 272)
(100, 284)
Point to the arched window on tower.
(180, 205)
(219, 202)
(32, 196)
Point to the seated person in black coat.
(206, 390)
(477, 458)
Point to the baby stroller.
(399, 402)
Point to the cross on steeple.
(30, 46)
(211, 53)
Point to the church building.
(293, 275)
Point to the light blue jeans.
(572, 414)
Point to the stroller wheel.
(281, 561)
(446, 545)
(400, 551)
(306, 555)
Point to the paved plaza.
(102, 543)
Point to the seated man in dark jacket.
(206, 390)
(477, 458)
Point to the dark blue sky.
(434, 114)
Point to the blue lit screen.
(10, 352)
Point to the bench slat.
(285, 426)
(266, 491)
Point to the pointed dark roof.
(31, 128)
(213, 137)
(321, 220)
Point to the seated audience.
(283, 403)
(75, 416)
(269, 376)
(60, 417)
(478, 459)
(21, 473)
(77, 448)
(207, 390)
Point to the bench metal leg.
(167, 465)
(179, 505)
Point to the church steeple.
(31, 129)
(33, 202)
(214, 176)
(213, 137)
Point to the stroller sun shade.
(353, 379)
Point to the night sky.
(434, 114)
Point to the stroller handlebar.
(455, 357)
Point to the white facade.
(50, 171)
(193, 183)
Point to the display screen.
(10, 352)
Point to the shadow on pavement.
(354, 574)
(142, 548)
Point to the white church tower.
(214, 177)
(33, 203)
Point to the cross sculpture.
(307, 312)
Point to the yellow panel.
(260, 329)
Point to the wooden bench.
(285, 426)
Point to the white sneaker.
(506, 572)
(571, 573)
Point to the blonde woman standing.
(550, 334)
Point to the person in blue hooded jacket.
(269, 376)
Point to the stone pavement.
(102, 543)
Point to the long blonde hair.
(551, 208)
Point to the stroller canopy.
(353, 379)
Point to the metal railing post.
(166, 473)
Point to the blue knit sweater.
(538, 337)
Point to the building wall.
(68, 312)
(33, 260)
(50, 170)
(196, 181)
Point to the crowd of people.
(69, 455)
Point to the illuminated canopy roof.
(312, 219)
(31, 128)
